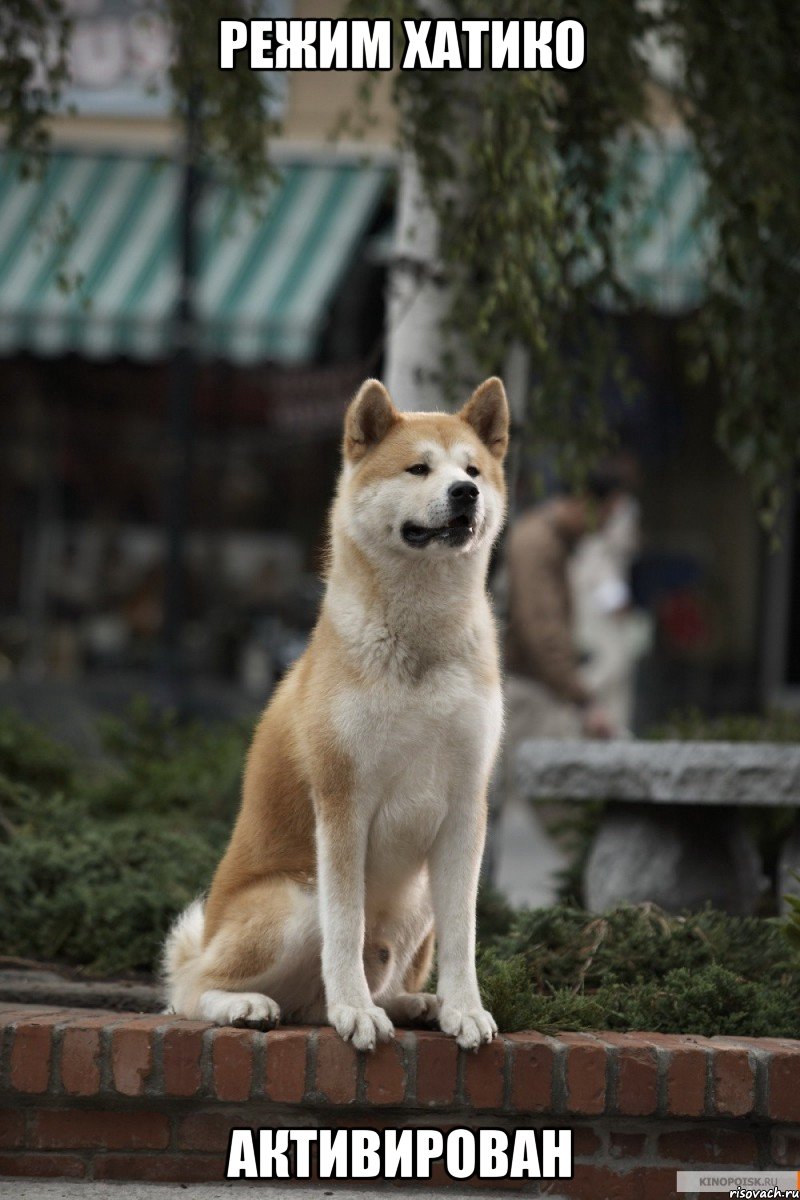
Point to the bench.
(672, 831)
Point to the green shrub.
(100, 894)
(30, 756)
(160, 765)
(637, 968)
(567, 947)
(792, 923)
(710, 1002)
(691, 725)
(95, 863)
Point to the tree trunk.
(417, 300)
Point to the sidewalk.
(60, 1189)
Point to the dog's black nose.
(462, 494)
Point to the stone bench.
(672, 832)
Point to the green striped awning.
(663, 246)
(88, 257)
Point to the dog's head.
(427, 484)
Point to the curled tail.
(180, 959)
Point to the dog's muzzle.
(462, 498)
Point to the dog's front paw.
(469, 1026)
(361, 1026)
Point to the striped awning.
(663, 245)
(89, 257)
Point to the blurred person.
(611, 634)
(547, 695)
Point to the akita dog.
(364, 799)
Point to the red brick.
(146, 1022)
(92, 1019)
(161, 1168)
(131, 1059)
(182, 1049)
(78, 1017)
(207, 1131)
(751, 1043)
(11, 1013)
(78, 1129)
(337, 1066)
(675, 1041)
(80, 1061)
(385, 1073)
(785, 1147)
(687, 1071)
(681, 1043)
(441, 1180)
(31, 1053)
(734, 1083)
(41, 1166)
(658, 1183)
(437, 1064)
(484, 1084)
(772, 1045)
(585, 1074)
(285, 1079)
(784, 1085)
(590, 1182)
(637, 1074)
(709, 1147)
(12, 1128)
(371, 1120)
(532, 1059)
(232, 1063)
(585, 1142)
(626, 1145)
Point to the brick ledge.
(122, 1095)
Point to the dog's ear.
(487, 412)
(369, 418)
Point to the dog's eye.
(472, 471)
(419, 469)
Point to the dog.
(363, 812)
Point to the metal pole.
(182, 381)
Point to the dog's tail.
(180, 959)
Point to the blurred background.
(175, 359)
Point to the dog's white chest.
(392, 731)
(415, 750)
